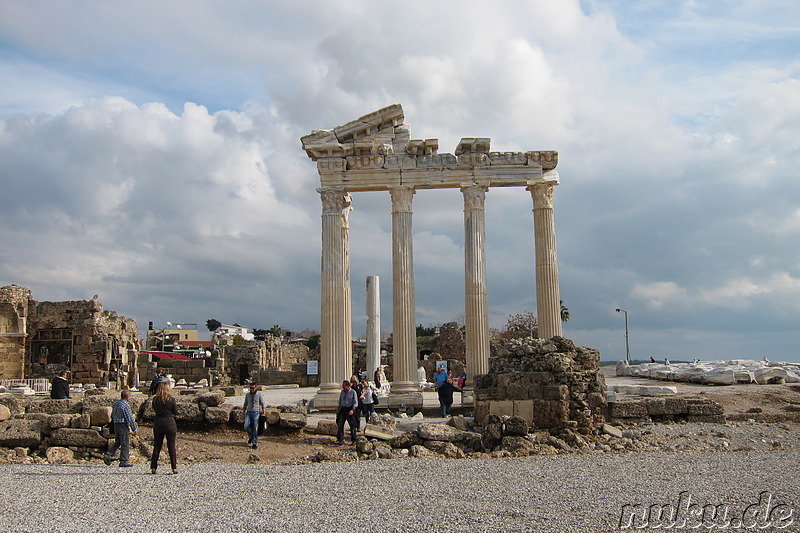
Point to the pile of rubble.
(731, 372)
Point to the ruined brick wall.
(550, 383)
(14, 304)
(95, 345)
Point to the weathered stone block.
(442, 432)
(524, 410)
(628, 410)
(703, 406)
(515, 426)
(5, 413)
(502, 408)
(58, 455)
(273, 415)
(549, 414)
(20, 432)
(16, 405)
(675, 406)
(556, 392)
(481, 411)
(326, 427)
(292, 421)
(447, 449)
(61, 420)
(77, 437)
(212, 398)
(218, 415)
(516, 444)
(655, 406)
(51, 407)
(189, 412)
(100, 416)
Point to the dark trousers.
(341, 418)
(158, 442)
(367, 409)
(445, 404)
(122, 442)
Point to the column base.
(405, 393)
(327, 397)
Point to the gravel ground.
(564, 493)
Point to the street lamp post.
(627, 345)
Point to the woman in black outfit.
(164, 426)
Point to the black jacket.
(446, 391)
(60, 388)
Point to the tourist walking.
(356, 386)
(345, 412)
(254, 405)
(377, 377)
(446, 391)
(59, 388)
(124, 425)
(164, 426)
(370, 394)
(440, 376)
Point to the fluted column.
(373, 325)
(548, 301)
(347, 340)
(404, 330)
(333, 365)
(476, 304)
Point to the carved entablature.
(548, 160)
(470, 145)
(376, 153)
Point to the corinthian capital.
(542, 194)
(332, 201)
(474, 197)
(401, 199)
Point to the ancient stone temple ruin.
(40, 339)
(376, 153)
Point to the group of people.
(355, 399)
(164, 426)
(443, 380)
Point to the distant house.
(227, 331)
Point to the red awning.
(168, 355)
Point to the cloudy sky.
(150, 154)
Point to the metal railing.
(39, 385)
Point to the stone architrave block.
(524, 410)
(100, 416)
(400, 162)
(292, 421)
(502, 408)
(508, 158)
(20, 432)
(212, 398)
(77, 437)
(436, 161)
(5, 413)
(273, 415)
(628, 410)
(218, 415)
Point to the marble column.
(334, 366)
(347, 340)
(548, 301)
(373, 325)
(476, 303)
(404, 329)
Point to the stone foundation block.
(549, 414)
(698, 406)
(524, 410)
(502, 408)
(51, 407)
(628, 410)
(294, 421)
(77, 437)
(20, 432)
(100, 416)
(326, 427)
(217, 415)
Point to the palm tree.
(564, 312)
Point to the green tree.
(425, 332)
(238, 340)
(213, 324)
(564, 312)
(313, 342)
(276, 331)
